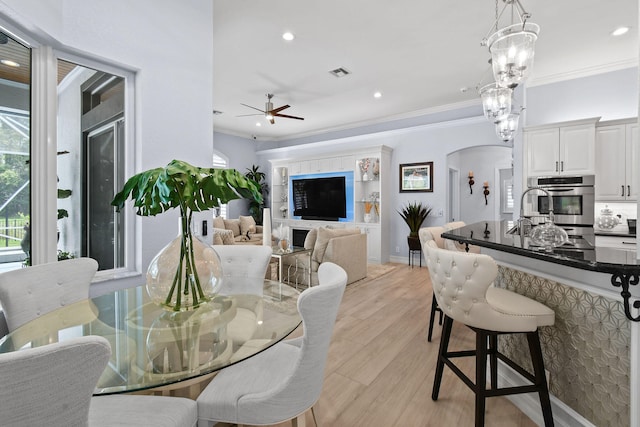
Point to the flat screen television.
(320, 198)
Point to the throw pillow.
(233, 225)
(227, 237)
(218, 222)
(310, 240)
(217, 239)
(326, 234)
(247, 225)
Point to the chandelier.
(512, 53)
(507, 127)
(496, 101)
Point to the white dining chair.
(53, 385)
(243, 272)
(243, 261)
(283, 382)
(27, 293)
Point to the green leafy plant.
(255, 205)
(414, 215)
(191, 189)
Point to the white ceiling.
(419, 54)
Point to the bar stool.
(461, 283)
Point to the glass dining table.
(159, 351)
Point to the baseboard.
(404, 260)
(563, 415)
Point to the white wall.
(612, 95)
(410, 145)
(483, 161)
(170, 46)
(241, 153)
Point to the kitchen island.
(593, 350)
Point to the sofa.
(239, 231)
(346, 247)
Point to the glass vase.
(184, 274)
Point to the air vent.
(340, 72)
(216, 112)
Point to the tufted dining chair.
(242, 261)
(462, 287)
(243, 270)
(53, 385)
(30, 292)
(283, 382)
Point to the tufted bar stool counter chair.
(462, 287)
(434, 234)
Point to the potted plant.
(186, 272)
(256, 205)
(414, 215)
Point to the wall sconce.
(471, 181)
(486, 192)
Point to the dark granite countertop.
(493, 235)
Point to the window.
(91, 135)
(71, 215)
(220, 162)
(15, 149)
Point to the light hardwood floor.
(380, 367)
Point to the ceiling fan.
(269, 112)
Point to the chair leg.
(298, 421)
(481, 376)
(315, 420)
(442, 352)
(434, 307)
(493, 360)
(541, 381)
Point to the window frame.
(43, 112)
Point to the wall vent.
(340, 72)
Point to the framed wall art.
(416, 177)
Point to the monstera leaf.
(184, 186)
(191, 189)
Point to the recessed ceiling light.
(9, 63)
(620, 31)
(288, 36)
(377, 95)
(258, 124)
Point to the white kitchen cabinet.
(561, 149)
(617, 148)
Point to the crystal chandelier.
(512, 52)
(512, 47)
(507, 127)
(496, 101)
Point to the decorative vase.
(185, 273)
(283, 244)
(365, 176)
(367, 217)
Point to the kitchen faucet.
(522, 221)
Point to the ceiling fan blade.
(277, 110)
(289, 117)
(262, 111)
(247, 115)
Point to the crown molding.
(583, 72)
